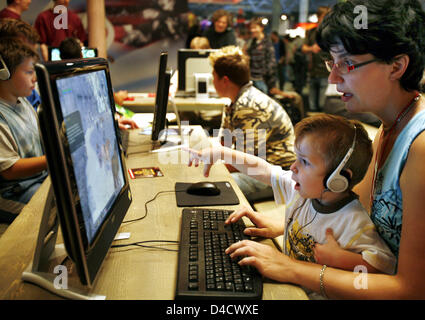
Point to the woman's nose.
(334, 77)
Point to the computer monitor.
(161, 98)
(55, 54)
(87, 172)
(190, 62)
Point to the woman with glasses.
(377, 52)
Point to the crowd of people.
(350, 202)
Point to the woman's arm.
(333, 255)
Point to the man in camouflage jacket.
(253, 122)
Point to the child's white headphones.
(339, 179)
(4, 71)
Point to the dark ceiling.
(262, 7)
(258, 7)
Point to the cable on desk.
(140, 244)
(146, 205)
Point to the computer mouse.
(203, 188)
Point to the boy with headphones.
(333, 154)
(22, 161)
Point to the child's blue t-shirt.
(19, 138)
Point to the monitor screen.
(55, 54)
(191, 61)
(84, 158)
(161, 97)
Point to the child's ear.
(399, 67)
(347, 173)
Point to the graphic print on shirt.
(299, 244)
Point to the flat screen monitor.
(189, 62)
(161, 97)
(85, 161)
(55, 54)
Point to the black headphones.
(339, 179)
(4, 71)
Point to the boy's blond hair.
(230, 61)
(14, 52)
(200, 43)
(334, 138)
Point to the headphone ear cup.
(4, 71)
(338, 182)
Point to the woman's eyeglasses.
(345, 67)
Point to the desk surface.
(130, 272)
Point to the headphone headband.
(338, 182)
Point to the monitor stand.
(47, 254)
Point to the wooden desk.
(131, 272)
(144, 102)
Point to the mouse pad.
(227, 196)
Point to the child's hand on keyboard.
(265, 226)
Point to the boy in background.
(22, 161)
(11, 28)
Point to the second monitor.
(193, 65)
(161, 98)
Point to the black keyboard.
(204, 270)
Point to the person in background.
(22, 161)
(253, 122)
(280, 54)
(14, 9)
(52, 36)
(70, 48)
(221, 33)
(263, 66)
(194, 28)
(12, 28)
(262, 61)
(318, 74)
